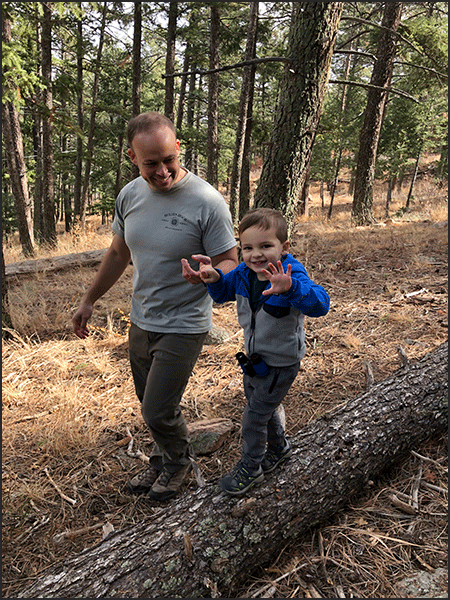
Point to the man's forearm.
(226, 265)
(110, 270)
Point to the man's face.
(156, 155)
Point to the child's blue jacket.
(275, 328)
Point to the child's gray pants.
(261, 423)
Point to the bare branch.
(438, 73)
(244, 63)
(375, 87)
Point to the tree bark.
(362, 208)
(78, 185)
(6, 317)
(56, 263)
(205, 544)
(15, 160)
(212, 175)
(49, 224)
(90, 140)
(247, 83)
(169, 101)
(312, 36)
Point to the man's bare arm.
(111, 268)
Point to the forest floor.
(68, 405)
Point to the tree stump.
(204, 544)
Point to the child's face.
(260, 247)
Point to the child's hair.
(265, 218)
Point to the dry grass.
(67, 405)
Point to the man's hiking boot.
(240, 479)
(143, 481)
(168, 484)
(275, 455)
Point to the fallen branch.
(58, 489)
(73, 533)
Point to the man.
(162, 216)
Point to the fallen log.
(204, 544)
(55, 263)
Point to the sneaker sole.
(161, 497)
(278, 463)
(137, 489)
(259, 479)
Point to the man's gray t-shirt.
(161, 228)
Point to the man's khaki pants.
(161, 364)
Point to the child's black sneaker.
(240, 479)
(275, 455)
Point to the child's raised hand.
(206, 272)
(281, 281)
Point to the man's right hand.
(80, 319)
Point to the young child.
(273, 294)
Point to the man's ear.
(132, 156)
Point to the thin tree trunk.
(15, 160)
(341, 133)
(391, 183)
(189, 150)
(244, 187)
(38, 211)
(362, 207)
(205, 544)
(213, 99)
(79, 160)
(169, 102)
(413, 181)
(236, 169)
(90, 142)
(137, 39)
(6, 317)
(183, 83)
(49, 223)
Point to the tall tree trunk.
(137, 39)
(413, 181)
(391, 184)
(183, 83)
(90, 141)
(189, 150)
(15, 160)
(38, 210)
(213, 99)
(197, 119)
(341, 133)
(169, 100)
(362, 207)
(244, 187)
(312, 36)
(6, 317)
(65, 193)
(80, 122)
(236, 168)
(49, 223)
(206, 544)
(120, 151)
(136, 87)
